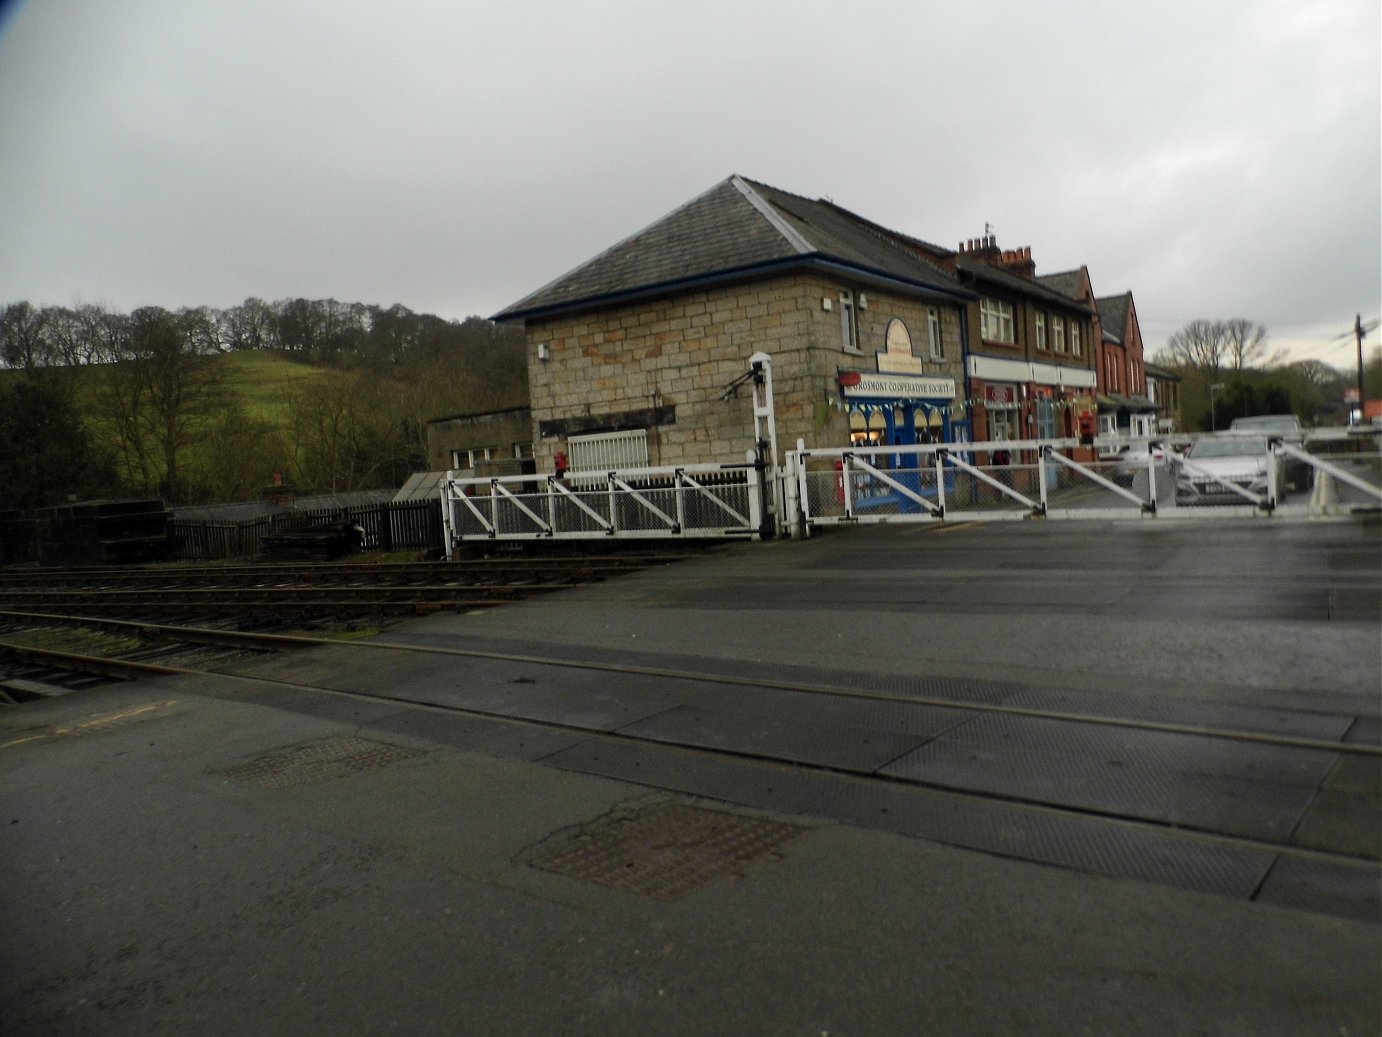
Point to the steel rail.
(330, 570)
(1201, 835)
(836, 691)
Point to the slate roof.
(1067, 282)
(738, 228)
(987, 274)
(1113, 313)
(984, 273)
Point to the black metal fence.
(401, 526)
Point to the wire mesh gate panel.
(711, 500)
(999, 480)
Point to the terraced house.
(638, 357)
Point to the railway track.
(230, 604)
(718, 737)
(286, 594)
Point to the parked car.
(1288, 423)
(1131, 460)
(1245, 461)
(1300, 474)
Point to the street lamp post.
(1214, 389)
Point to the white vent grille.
(607, 451)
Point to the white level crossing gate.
(1323, 472)
(688, 501)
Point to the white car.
(1213, 463)
(1130, 461)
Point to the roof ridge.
(892, 237)
(747, 188)
(620, 243)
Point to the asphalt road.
(166, 871)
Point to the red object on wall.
(1089, 425)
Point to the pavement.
(234, 854)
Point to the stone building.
(638, 357)
(465, 442)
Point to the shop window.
(1001, 424)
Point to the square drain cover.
(320, 761)
(667, 851)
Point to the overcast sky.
(1217, 158)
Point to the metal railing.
(697, 501)
(1331, 472)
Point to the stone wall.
(498, 430)
(665, 365)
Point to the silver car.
(1213, 463)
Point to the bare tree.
(1211, 345)
(251, 325)
(1245, 344)
(158, 397)
(22, 344)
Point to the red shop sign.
(1000, 394)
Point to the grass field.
(262, 381)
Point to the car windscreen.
(1227, 448)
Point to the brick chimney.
(1016, 261)
(984, 248)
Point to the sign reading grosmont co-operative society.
(896, 386)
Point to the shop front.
(898, 409)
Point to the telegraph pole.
(1358, 333)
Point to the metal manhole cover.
(321, 761)
(666, 852)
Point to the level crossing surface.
(965, 849)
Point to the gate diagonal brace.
(982, 476)
(1148, 506)
(708, 495)
(1322, 465)
(1266, 503)
(671, 522)
(470, 504)
(575, 499)
(906, 491)
(513, 499)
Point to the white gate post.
(762, 365)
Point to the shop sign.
(896, 386)
(1000, 394)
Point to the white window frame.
(996, 321)
(1002, 423)
(1040, 330)
(933, 333)
(1058, 334)
(466, 458)
(849, 323)
(1075, 346)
